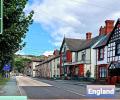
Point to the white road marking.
(26, 81)
(70, 91)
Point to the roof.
(49, 60)
(114, 65)
(37, 60)
(74, 44)
(80, 44)
(116, 25)
(106, 38)
(90, 43)
(103, 41)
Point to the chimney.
(88, 36)
(56, 52)
(109, 26)
(102, 30)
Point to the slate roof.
(106, 38)
(88, 44)
(74, 44)
(103, 41)
(48, 60)
(80, 44)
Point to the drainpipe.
(96, 64)
(90, 59)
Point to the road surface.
(35, 88)
(46, 89)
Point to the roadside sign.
(6, 67)
(1, 16)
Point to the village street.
(46, 89)
(35, 88)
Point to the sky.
(54, 19)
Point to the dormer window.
(101, 54)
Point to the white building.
(78, 56)
(30, 69)
(50, 67)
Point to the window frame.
(101, 53)
(83, 58)
(116, 49)
(102, 72)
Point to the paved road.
(47, 89)
(44, 89)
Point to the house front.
(113, 55)
(108, 54)
(30, 69)
(101, 51)
(78, 57)
(50, 67)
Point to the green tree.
(20, 64)
(15, 27)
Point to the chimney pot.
(88, 36)
(102, 30)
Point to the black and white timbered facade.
(113, 49)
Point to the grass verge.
(3, 81)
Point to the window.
(64, 49)
(103, 72)
(117, 48)
(76, 71)
(101, 54)
(83, 56)
(76, 56)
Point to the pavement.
(10, 89)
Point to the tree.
(15, 27)
(20, 64)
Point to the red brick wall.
(109, 25)
(69, 56)
(81, 70)
(60, 64)
(88, 36)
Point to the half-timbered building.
(101, 51)
(113, 54)
(108, 54)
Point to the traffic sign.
(6, 67)
(1, 16)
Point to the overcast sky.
(54, 19)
